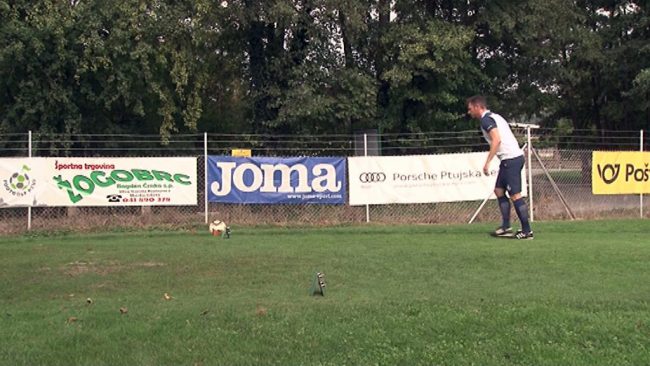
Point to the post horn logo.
(609, 172)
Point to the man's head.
(476, 105)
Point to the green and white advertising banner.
(98, 182)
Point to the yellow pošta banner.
(622, 172)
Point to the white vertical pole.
(530, 177)
(641, 195)
(365, 153)
(205, 174)
(29, 154)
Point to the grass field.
(579, 294)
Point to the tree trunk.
(257, 63)
(347, 47)
(383, 7)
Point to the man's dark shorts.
(509, 177)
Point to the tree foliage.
(99, 67)
(319, 66)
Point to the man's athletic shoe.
(500, 231)
(524, 236)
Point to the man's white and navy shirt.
(509, 147)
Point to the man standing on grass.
(504, 146)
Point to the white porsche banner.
(421, 178)
(98, 182)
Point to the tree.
(318, 66)
(97, 67)
(431, 71)
(566, 59)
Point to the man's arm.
(494, 147)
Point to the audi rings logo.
(609, 172)
(372, 177)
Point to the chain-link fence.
(560, 168)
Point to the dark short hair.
(477, 100)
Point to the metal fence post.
(641, 195)
(530, 177)
(29, 154)
(365, 153)
(205, 174)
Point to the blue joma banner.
(301, 180)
